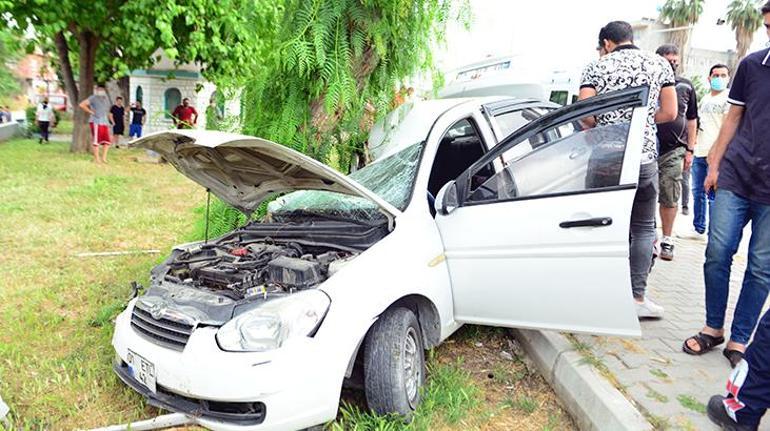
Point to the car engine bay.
(267, 259)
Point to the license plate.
(142, 370)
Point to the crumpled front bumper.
(291, 388)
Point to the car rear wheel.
(394, 363)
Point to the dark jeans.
(43, 126)
(729, 215)
(701, 202)
(643, 228)
(749, 385)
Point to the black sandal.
(734, 356)
(706, 342)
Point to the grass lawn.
(56, 309)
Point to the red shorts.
(101, 135)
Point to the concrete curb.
(592, 401)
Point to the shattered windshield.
(392, 178)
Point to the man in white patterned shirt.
(623, 65)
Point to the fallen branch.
(115, 253)
(160, 422)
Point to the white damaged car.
(488, 211)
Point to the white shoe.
(693, 234)
(648, 309)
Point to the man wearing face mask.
(713, 108)
(676, 145)
(45, 119)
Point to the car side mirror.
(446, 200)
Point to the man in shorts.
(98, 105)
(138, 117)
(116, 116)
(677, 142)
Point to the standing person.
(45, 119)
(676, 145)
(97, 105)
(117, 119)
(184, 115)
(213, 115)
(748, 388)
(620, 66)
(713, 108)
(138, 117)
(739, 173)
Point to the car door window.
(575, 162)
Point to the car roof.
(411, 122)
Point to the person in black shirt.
(138, 117)
(117, 113)
(676, 144)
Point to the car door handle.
(588, 222)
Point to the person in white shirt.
(713, 107)
(45, 119)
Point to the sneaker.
(692, 234)
(717, 413)
(685, 211)
(666, 250)
(648, 309)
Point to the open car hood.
(245, 170)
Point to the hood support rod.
(208, 207)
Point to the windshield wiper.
(312, 214)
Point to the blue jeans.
(729, 215)
(700, 201)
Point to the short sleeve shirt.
(101, 106)
(673, 134)
(745, 168)
(137, 115)
(625, 67)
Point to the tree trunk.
(65, 67)
(743, 41)
(324, 122)
(681, 39)
(81, 133)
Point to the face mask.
(100, 92)
(718, 83)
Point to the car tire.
(394, 363)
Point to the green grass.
(691, 403)
(449, 397)
(56, 309)
(63, 127)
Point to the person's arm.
(588, 89)
(195, 116)
(144, 117)
(668, 105)
(84, 105)
(111, 118)
(692, 139)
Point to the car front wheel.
(394, 363)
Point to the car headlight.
(269, 325)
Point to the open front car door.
(544, 242)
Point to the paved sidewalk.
(670, 387)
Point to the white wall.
(153, 90)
